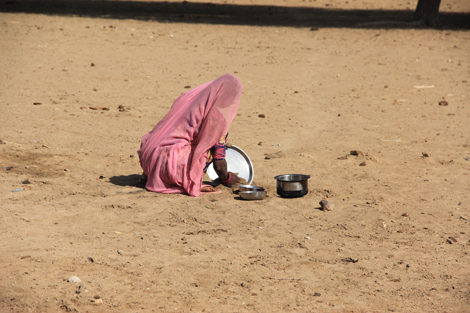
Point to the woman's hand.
(233, 180)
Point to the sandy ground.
(330, 77)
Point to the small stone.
(405, 215)
(74, 279)
(3, 142)
(26, 182)
(260, 143)
(120, 252)
(261, 115)
(99, 108)
(451, 240)
(443, 103)
(326, 205)
(356, 152)
(425, 154)
(363, 164)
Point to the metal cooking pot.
(292, 185)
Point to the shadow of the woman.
(127, 180)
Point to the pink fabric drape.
(174, 153)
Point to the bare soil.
(82, 81)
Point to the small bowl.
(252, 195)
(250, 188)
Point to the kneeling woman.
(176, 153)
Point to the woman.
(174, 154)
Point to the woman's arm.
(220, 167)
(227, 178)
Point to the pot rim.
(301, 177)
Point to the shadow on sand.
(230, 14)
(127, 180)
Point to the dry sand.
(329, 76)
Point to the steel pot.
(250, 188)
(292, 185)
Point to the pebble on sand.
(451, 240)
(74, 279)
(326, 205)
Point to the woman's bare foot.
(208, 189)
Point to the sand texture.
(374, 108)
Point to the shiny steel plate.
(237, 162)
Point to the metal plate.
(237, 162)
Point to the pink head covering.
(174, 153)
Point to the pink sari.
(174, 153)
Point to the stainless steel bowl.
(292, 185)
(252, 195)
(250, 188)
